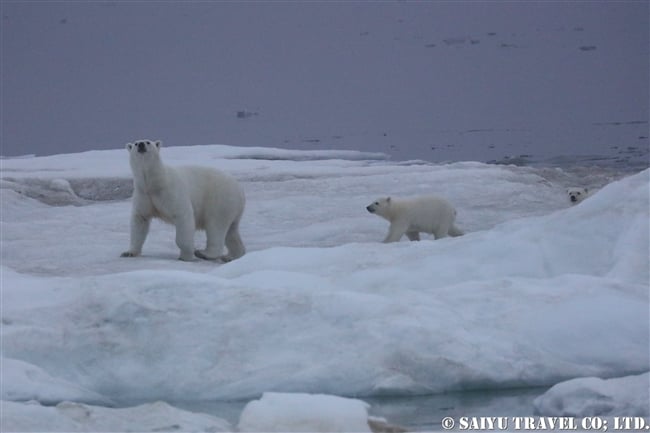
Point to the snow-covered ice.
(298, 412)
(77, 417)
(592, 396)
(29, 382)
(537, 292)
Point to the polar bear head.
(576, 195)
(143, 151)
(380, 206)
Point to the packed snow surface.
(537, 292)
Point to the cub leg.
(395, 232)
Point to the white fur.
(192, 198)
(576, 194)
(416, 215)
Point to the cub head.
(576, 195)
(379, 206)
(143, 150)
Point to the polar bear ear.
(129, 146)
(158, 143)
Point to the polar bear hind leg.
(216, 234)
(413, 236)
(185, 238)
(234, 243)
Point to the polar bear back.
(211, 191)
(424, 214)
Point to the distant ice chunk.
(591, 396)
(277, 154)
(245, 114)
(56, 192)
(61, 185)
(279, 412)
(455, 41)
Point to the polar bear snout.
(142, 146)
(376, 205)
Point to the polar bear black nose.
(141, 147)
(370, 209)
(573, 198)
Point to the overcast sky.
(410, 76)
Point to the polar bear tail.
(455, 231)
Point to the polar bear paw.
(128, 254)
(187, 257)
(202, 254)
(226, 259)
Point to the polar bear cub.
(192, 198)
(411, 216)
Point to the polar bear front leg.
(139, 231)
(185, 237)
(442, 231)
(396, 231)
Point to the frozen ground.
(536, 293)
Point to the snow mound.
(277, 412)
(592, 396)
(75, 417)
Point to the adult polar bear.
(189, 197)
(412, 216)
